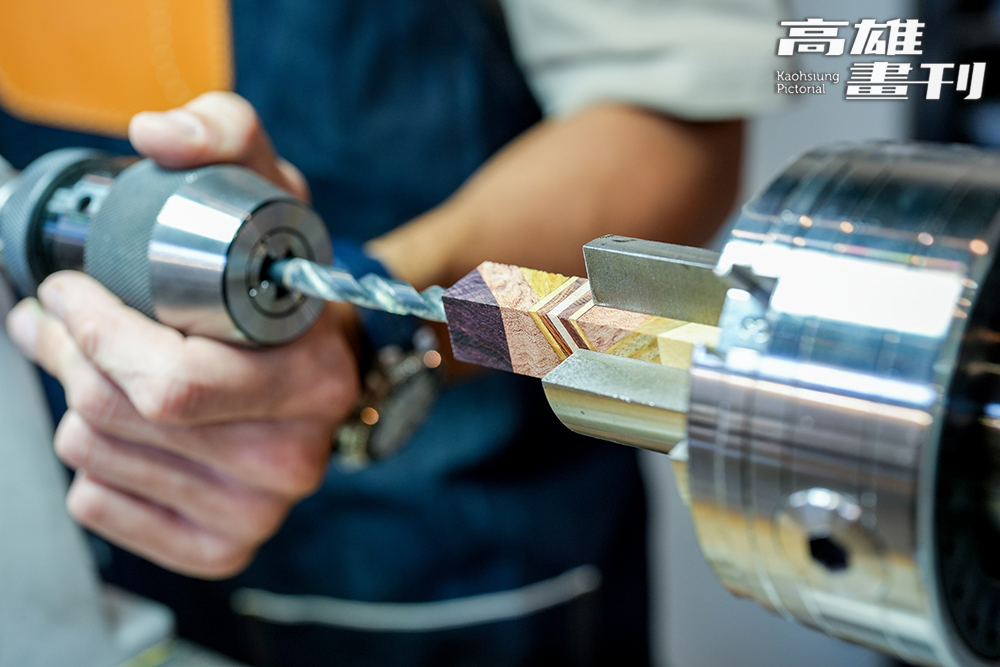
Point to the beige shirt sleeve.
(696, 59)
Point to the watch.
(398, 390)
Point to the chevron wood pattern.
(527, 321)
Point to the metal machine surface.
(839, 446)
(216, 251)
(840, 456)
(192, 249)
(827, 428)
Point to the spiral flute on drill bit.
(370, 291)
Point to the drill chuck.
(191, 249)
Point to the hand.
(188, 451)
(213, 128)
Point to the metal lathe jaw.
(829, 393)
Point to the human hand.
(212, 128)
(188, 451)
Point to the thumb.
(212, 128)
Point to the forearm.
(610, 169)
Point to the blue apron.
(534, 536)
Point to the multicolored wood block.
(527, 322)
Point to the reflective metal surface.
(63, 214)
(210, 252)
(192, 249)
(655, 278)
(623, 400)
(22, 216)
(372, 291)
(815, 426)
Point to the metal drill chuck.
(191, 249)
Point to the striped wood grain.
(528, 321)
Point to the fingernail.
(22, 325)
(178, 122)
(52, 297)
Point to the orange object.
(92, 65)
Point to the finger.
(294, 180)
(22, 323)
(214, 127)
(283, 457)
(202, 495)
(153, 532)
(286, 459)
(43, 338)
(173, 379)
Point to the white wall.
(696, 622)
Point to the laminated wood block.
(526, 321)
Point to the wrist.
(428, 250)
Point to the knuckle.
(333, 386)
(339, 386)
(244, 136)
(262, 522)
(253, 127)
(233, 102)
(222, 105)
(171, 398)
(240, 117)
(295, 180)
(219, 559)
(88, 332)
(86, 507)
(93, 397)
(299, 467)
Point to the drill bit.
(370, 291)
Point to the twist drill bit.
(371, 291)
